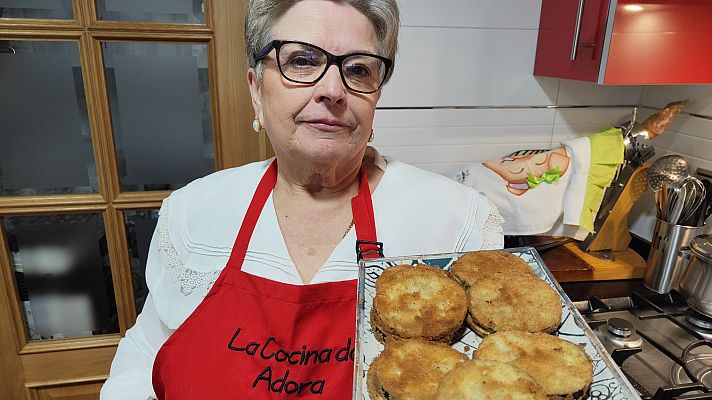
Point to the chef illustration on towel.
(527, 169)
(530, 186)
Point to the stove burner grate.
(698, 319)
(691, 377)
(699, 365)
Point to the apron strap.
(364, 220)
(264, 189)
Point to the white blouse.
(416, 212)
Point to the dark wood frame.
(31, 367)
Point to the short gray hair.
(262, 15)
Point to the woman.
(279, 318)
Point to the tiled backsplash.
(691, 133)
(463, 91)
(442, 140)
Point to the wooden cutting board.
(568, 263)
(565, 265)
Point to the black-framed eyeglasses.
(302, 62)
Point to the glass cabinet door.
(106, 106)
(159, 94)
(173, 11)
(37, 9)
(63, 275)
(140, 227)
(45, 140)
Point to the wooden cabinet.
(70, 392)
(643, 42)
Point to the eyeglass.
(302, 62)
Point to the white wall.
(463, 91)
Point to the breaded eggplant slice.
(417, 302)
(476, 265)
(562, 368)
(519, 302)
(410, 369)
(489, 380)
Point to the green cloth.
(549, 176)
(607, 153)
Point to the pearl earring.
(256, 125)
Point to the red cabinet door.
(661, 42)
(555, 55)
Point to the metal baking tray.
(608, 380)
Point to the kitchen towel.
(553, 192)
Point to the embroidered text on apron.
(254, 338)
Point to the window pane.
(159, 96)
(63, 275)
(175, 11)
(139, 230)
(43, 9)
(45, 140)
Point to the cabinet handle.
(577, 31)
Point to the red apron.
(254, 338)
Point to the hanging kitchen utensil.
(694, 200)
(677, 197)
(685, 198)
(668, 169)
(706, 208)
(663, 196)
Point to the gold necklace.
(348, 229)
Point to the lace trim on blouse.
(492, 231)
(188, 279)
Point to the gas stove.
(663, 347)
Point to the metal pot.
(696, 282)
